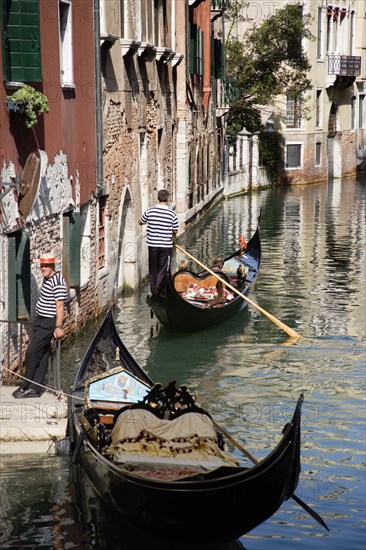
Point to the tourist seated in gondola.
(183, 265)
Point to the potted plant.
(29, 101)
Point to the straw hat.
(49, 258)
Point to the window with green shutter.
(21, 40)
(71, 249)
(193, 48)
(219, 59)
(19, 276)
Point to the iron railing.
(344, 65)
(15, 355)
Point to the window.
(293, 112)
(318, 109)
(353, 112)
(361, 104)
(294, 46)
(320, 34)
(196, 50)
(318, 152)
(351, 33)
(293, 155)
(217, 59)
(19, 276)
(85, 245)
(71, 248)
(21, 41)
(102, 231)
(66, 64)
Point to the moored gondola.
(187, 301)
(154, 456)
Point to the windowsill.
(294, 168)
(12, 85)
(128, 44)
(68, 85)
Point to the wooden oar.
(292, 333)
(256, 461)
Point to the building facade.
(162, 125)
(136, 104)
(48, 170)
(324, 131)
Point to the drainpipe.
(98, 98)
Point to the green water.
(248, 374)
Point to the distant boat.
(155, 457)
(187, 301)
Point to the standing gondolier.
(162, 225)
(48, 324)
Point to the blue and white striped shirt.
(161, 222)
(52, 289)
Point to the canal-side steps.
(30, 426)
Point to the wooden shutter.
(12, 285)
(19, 276)
(23, 276)
(193, 49)
(21, 41)
(71, 249)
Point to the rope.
(59, 393)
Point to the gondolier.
(162, 225)
(48, 325)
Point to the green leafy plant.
(264, 62)
(271, 153)
(34, 102)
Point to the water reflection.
(108, 530)
(247, 373)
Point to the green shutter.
(71, 250)
(23, 277)
(200, 53)
(192, 49)
(21, 41)
(74, 250)
(19, 276)
(12, 283)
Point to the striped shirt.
(161, 222)
(52, 289)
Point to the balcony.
(343, 70)
(344, 65)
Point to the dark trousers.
(36, 359)
(158, 261)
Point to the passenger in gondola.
(217, 264)
(183, 265)
(242, 272)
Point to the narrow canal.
(248, 374)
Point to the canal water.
(248, 373)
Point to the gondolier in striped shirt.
(162, 225)
(48, 325)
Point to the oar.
(256, 461)
(272, 318)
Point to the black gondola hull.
(178, 314)
(220, 505)
(212, 509)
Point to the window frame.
(66, 44)
(102, 231)
(318, 154)
(298, 144)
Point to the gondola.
(185, 487)
(178, 308)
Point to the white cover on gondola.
(190, 437)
